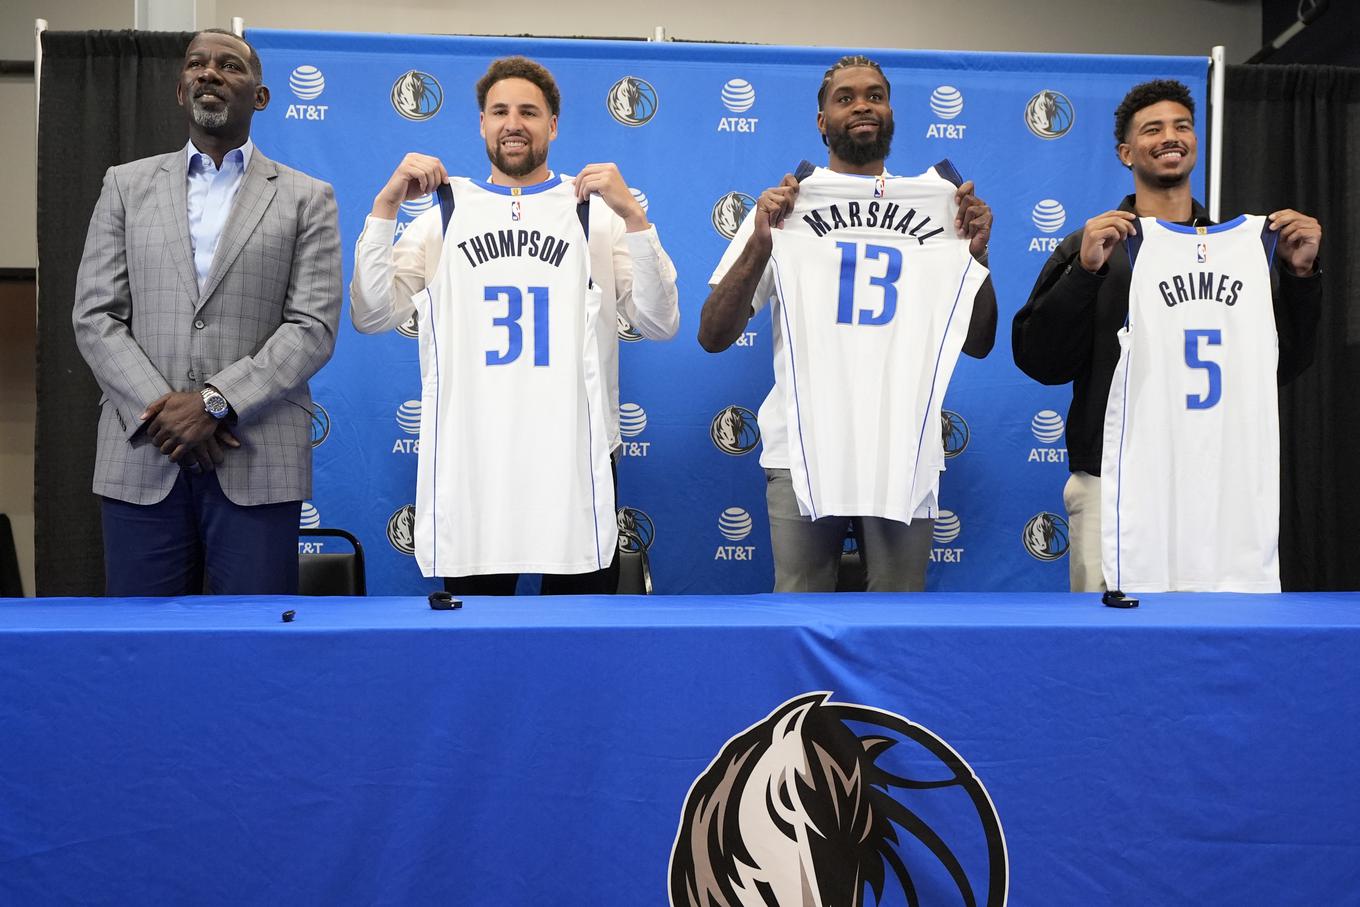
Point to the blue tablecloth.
(1197, 750)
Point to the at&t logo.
(408, 420)
(735, 525)
(632, 101)
(946, 531)
(1048, 216)
(1049, 114)
(417, 95)
(639, 196)
(729, 211)
(310, 517)
(1047, 427)
(632, 422)
(1045, 536)
(307, 83)
(734, 431)
(738, 96)
(946, 102)
(411, 209)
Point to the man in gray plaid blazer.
(208, 294)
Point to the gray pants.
(807, 552)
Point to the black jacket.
(1067, 331)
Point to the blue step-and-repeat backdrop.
(708, 127)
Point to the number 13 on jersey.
(513, 299)
(886, 282)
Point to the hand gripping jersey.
(1190, 494)
(874, 292)
(513, 472)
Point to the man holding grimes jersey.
(1068, 330)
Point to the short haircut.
(853, 61)
(253, 59)
(520, 68)
(1145, 95)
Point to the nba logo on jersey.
(880, 186)
(1201, 252)
(516, 212)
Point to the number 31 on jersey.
(513, 299)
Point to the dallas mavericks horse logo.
(636, 529)
(1045, 536)
(321, 424)
(401, 529)
(1049, 114)
(734, 431)
(954, 432)
(632, 101)
(417, 95)
(819, 800)
(729, 211)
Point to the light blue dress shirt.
(211, 193)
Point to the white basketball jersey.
(1190, 468)
(873, 292)
(514, 471)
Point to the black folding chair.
(11, 586)
(331, 572)
(635, 571)
(851, 577)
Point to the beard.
(1163, 180)
(534, 158)
(209, 119)
(857, 152)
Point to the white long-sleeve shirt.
(635, 275)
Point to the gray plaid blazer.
(264, 323)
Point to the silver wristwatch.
(214, 404)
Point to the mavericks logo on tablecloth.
(819, 799)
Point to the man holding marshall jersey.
(855, 118)
(1068, 330)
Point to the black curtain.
(1293, 141)
(106, 98)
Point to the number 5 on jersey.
(1211, 337)
(887, 282)
(514, 310)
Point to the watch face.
(215, 404)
